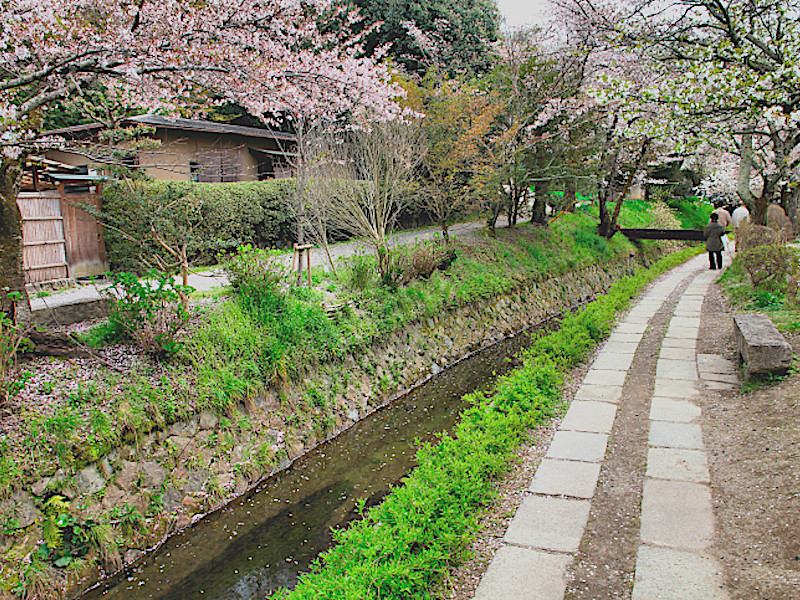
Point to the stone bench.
(762, 348)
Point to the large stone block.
(762, 348)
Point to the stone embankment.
(177, 474)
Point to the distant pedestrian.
(740, 215)
(713, 233)
(723, 215)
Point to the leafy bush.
(360, 272)
(751, 236)
(253, 272)
(215, 218)
(769, 267)
(407, 263)
(151, 311)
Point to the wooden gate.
(44, 253)
(60, 242)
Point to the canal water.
(263, 540)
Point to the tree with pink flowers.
(269, 56)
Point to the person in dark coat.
(713, 233)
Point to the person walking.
(740, 215)
(722, 214)
(713, 233)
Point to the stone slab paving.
(636, 328)
(610, 361)
(676, 514)
(677, 522)
(674, 342)
(600, 393)
(548, 523)
(524, 574)
(678, 465)
(665, 434)
(631, 338)
(670, 368)
(565, 478)
(621, 347)
(671, 409)
(674, 353)
(669, 574)
(677, 331)
(577, 445)
(595, 417)
(675, 388)
(605, 377)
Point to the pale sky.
(522, 12)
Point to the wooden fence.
(60, 242)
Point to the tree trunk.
(569, 194)
(491, 220)
(513, 202)
(540, 190)
(607, 227)
(12, 279)
(445, 231)
(745, 170)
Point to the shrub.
(777, 220)
(253, 272)
(769, 267)
(151, 311)
(407, 263)
(360, 272)
(751, 236)
(224, 216)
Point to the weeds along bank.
(101, 459)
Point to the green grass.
(404, 547)
(692, 212)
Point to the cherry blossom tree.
(727, 75)
(539, 85)
(269, 56)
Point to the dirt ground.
(753, 445)
(752, 438)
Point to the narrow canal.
(266, 538)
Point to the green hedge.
(404, 547)
(223, 217)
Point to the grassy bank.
(403, 547)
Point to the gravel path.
(205, 281)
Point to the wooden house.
(63, 243)
(195, 150)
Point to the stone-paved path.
(676, 525)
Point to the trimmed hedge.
(404, 547)
(226, 215)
